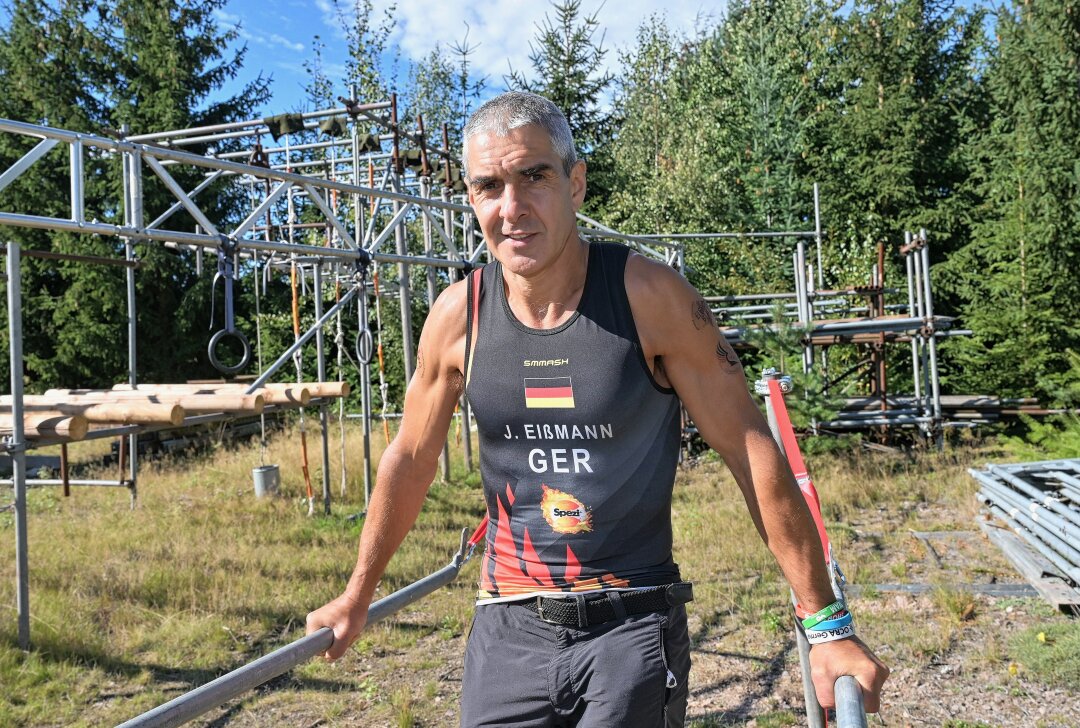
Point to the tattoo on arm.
(419, 360)
(701, 315)
(726, 354)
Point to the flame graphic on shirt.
(565, 513)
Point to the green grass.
(132, 607)
(1053, 658)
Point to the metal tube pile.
(1040, 501)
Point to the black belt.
(580, 610)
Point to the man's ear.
(577, 183)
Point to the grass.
(132, 607)
(1050, 653)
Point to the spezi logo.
(565, 513)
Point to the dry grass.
(130, 608)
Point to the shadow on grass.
(768, 676)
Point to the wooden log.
(47, 424)
(192, 403)
(125, 413)
(277, 394)
(329, 389)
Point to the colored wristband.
(820, 616)
(817, 637)
(839, 620)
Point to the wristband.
(817, 637)
(813, 620)
(840, 620)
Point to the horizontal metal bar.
(234, 125)
(704, 236)
(34, 482)
(95, 259)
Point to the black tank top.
(578, 443)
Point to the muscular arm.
(406, 468)
(678, 333)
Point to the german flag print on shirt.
(549, 393)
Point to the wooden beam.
(277, 394)
(47, 424)
(192, 403)
(123, 413)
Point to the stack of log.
(67, 415)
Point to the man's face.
(523, 200)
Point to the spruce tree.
(1016, 279)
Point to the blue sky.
(279, 33)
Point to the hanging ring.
(216, 339)
(365, 346)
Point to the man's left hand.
(831, 660)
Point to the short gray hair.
(515, 109)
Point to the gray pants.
(523, 671)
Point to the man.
(575, 356)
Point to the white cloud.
(278, 40)
(501, 29)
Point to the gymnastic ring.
(211, 351)
(365, 346)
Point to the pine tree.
(895, 95)
(1017, 277)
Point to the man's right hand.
(346, 615)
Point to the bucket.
(267, 478)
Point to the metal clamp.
(761, 386)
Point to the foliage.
(1048, 652)
(1015, 278)
(1054, 437)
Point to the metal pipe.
(38, 482)
(1068, 571)
(304, 338)
(78, 199)
(1032, 511)
(912, 312)
(707, 236)
(1038, 497)
(177, 206)
(135, 212)
(234, 125)
(850, 712)
(320, 353)
(196, 160)
(13, 172)
(404, 290)
(16, 445)
(814, 715)
(817, 235)
(365, 399)
(935, 385)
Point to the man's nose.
(513, 203)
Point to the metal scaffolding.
(328, 209)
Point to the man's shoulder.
(447, 316)
(653, 282)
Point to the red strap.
(478, 534)
(798, 466)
